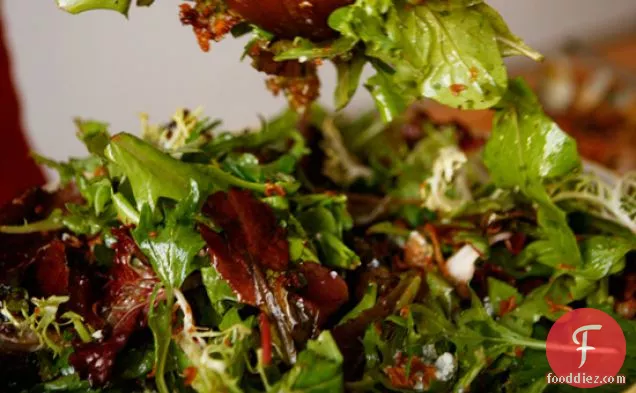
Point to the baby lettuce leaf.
(325, 218)
(318, 369)
(172, 245)
(509, 44)
(525, 150)
(219, 291)
(367, 301)
(349, 73)
(451, 52)
(153, 174)
(602, 256)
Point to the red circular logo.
(585, 348)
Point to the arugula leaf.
(318, 369)
(349, 73)
(273, 130)
(153, 174)
(535, 150)
(171, 247)
(77, 6)
(499, 291)
(94, 134)
(325, 218)
(367, 301)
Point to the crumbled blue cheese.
(445, 365)
(488, 306)
(461, 265)
(429, 353)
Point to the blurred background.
(102, 66)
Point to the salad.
(320, 253)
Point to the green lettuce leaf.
(451, 52)
(349, 73)
(534, 150)
(77, 6)
(317, 370)
(219, 292)
(171, 246)
(153, 174)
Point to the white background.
(102, 66)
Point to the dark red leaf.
(250, 224)
(290, 18)
(51, 269)
(251, 236)
(251, 242)
(324, 289)
(125, 305)
(231, 266)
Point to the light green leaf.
(317, 370)
(160, 323)
(349, 73)
(534, 150)
(172, 246)
(389, 102)
(304, 49)
(509, 44)
(367, 301)
(602, 256)
(219, 292)
(77, 6)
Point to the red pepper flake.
(507, 305)
(565, 266)
(404, 312)
(100, 171)
(266, 338)
(419, 372)
(474, 73)
(152, 234)
(457, 88)
(519, 351)
(274, 189)
(189, 374)
(152, 372)
(556, 307)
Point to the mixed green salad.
(316, 256)
(322, 253)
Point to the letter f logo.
(584, 347)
